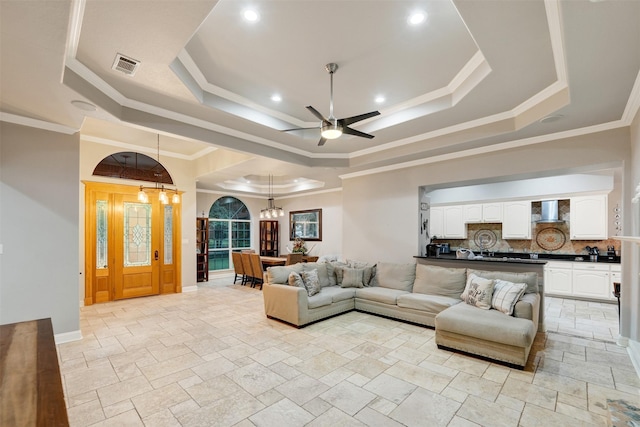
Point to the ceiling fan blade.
(316, 113)
(322, 141)
(350, 131)
(289, 130)
(349, 120)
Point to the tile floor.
(211, 358)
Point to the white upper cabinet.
(492, 212)
(472, 213)
(516, 221)
(454, 225)
(482, 212)
(588, 220)
(436, 222)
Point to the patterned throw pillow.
(352, 277)
(478, 292)
(311, 282)
(506, 295)
(296, 280)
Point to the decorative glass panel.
(101, 234)
(137, 234)
(168, 234)
(218, 234)
(219, 260)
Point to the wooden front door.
(131, 248)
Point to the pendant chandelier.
(143, 197)
(271, 211)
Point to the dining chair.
(238, 267)
(257, 270)
(246, 265)
(293, 258)
(248, 251)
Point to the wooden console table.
(30, 385)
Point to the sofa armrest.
(528, 308)
(284, 302)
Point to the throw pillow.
(280, 275)
(311, 282)
(530, 278)
(332, 268)
(369, 270)
(506, 295)
(296, 280)
(323, 273)
(352, 277)
(478, 292)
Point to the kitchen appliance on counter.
(433, 250)
(593, 253)
(444, 248)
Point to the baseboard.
(68, 337)
(634, 353)
(189, 288)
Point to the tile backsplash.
(546, 238)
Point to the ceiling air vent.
(127, 65)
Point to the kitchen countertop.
(524, 258)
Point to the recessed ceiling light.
(276, 98)
(250, 15)
(552, 118)
(83, 105)
(380, 99)
(417, 18)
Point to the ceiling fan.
(332, 128)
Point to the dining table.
(272, 261)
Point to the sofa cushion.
(311, 282)
(396, 276)
(352, 277)
(530, 278)
(434, 280)
(488, 325)
(339, 294)
(525, 307)
(506, 295)
(429, 303)
(332, 273)
(478, 292)
(319, 300)
(323, 274)
(280, 275)
(383, 295)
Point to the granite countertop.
(525, 258)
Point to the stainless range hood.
(549, 212)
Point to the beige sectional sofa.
(423, 294)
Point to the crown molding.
(38, 124)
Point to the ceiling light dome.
(331, 131)
(417, 18)
(251, 15)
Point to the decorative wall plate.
(485, 239)
(551, 239)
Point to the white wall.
(329, 202)
(381, 210)
(630, 290)
(39, 227)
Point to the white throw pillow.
(352, 277)
(506, 295)
(478, 292)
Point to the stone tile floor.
(211, 358)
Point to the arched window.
(229, 230)
(136, 166)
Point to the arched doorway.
(131, 246)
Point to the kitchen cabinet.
(591, 280)
(436, 222)
(558, 278)
(588, 217)
(482, 212)
(516, 221)
(580, 279)
(454, 226)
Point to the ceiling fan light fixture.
(331, 131)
